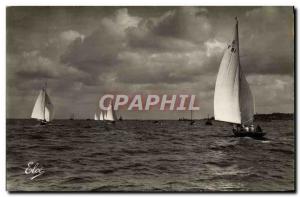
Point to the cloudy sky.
(85, 52)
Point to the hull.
(208, 122)
(43, 122)
(242, 133)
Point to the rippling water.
(132, 155)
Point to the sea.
(147, 156)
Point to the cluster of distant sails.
(109, 115)
(43, 110)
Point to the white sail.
(110, 113)
(96, 117)
(233, 101)
(43, 108)
(101, 117)
(246, 100)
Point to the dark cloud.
(268, 46)
(188, 23)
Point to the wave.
(289, 152)
(78, 180)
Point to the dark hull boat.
(208, 122)
(243, 133)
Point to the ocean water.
(145, 156)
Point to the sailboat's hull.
(242, 133)
(43, 122)
(208, 122)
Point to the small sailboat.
(43, 109)
(108, 115)
(72, 117)
(192, 121)
(96, 117)
(208, 121)
(233, 100)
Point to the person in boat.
(258, 129)
(252, 128)
(236, 127)
(245, 128)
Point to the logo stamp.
(34, 169)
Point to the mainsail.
(233, 100)
(96, 117)
(43, 108)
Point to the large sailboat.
(43, 109)
(233, 100)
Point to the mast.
(236, 37)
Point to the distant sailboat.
(72, 117)
(192, 121)
(208, 121)
(108, 115)
(233, 100)
(43, 109)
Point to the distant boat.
(208, 121)
(192, 121)
(155, 121)
(72, 117)
(43, 109)
(233, 100)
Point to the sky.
(86, 52)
